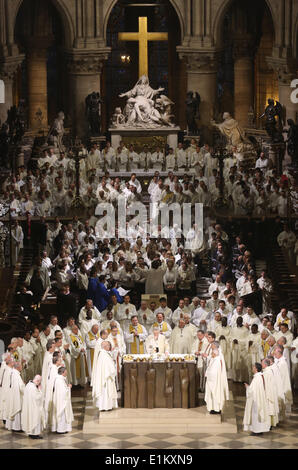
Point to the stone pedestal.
(276, 153)
(202, 77)
(139, 137)
(85, 77)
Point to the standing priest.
(104, 392)
(135, 337)
(217, 389)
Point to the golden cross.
(143, 36)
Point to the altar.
(140, 137)
(163, 382)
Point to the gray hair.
(284, 340)
(61, 370)
(50, 343)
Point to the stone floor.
(285, 436)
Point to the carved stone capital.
(199, 62)
(86, 63)
(286, 69)
(9, 66)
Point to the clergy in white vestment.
(78, 354)
(135, 337)
(189, 326)
(146, 316)
(282, 341)
(157, 343)
(256, 415)
(32, 417)
(62, 414)
(14, 400)
(87, 324)
(199, 348)
(104, 392)
(271, 392)
(223, 337)
(49, 386)
(201, 315)
(103, 336)
(181, 340)
(110, 318)
(179, 312)
(163, 308)
(118, 349)
(216, 388)
(253, 349)
(5, 373)
(250, 318)
(38, 352)
(93, 311)
(53, 325)
(285, 376)
(28, 355)
(279, 388)
(238, 345)
(47, 362)
(125, 313)
(294, 360)
(63, 346)
(91, 339)
(163, 326)
(157, 159)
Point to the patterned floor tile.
(282, 437)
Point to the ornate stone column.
(202, 77)
(37, 81)
(8, 69)
(243, 52)
(85, 69)
(286, 71)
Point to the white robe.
(47, 362)
(217, 389)
(14, 401)
(161, 343)
(256, 414)
(104, 392)
(5, 373)
(285, 377)
(280, 391)
(271, 395)
(181, 341)
(62, 415)
(48, 397)
(32, 416)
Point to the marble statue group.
(145, 107)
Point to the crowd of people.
(102, 286)
(49, 188)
